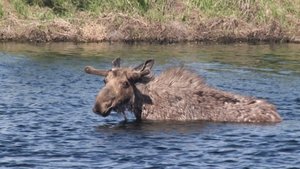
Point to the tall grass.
(152, 9)
(66, 7)
(21, 7)
(259, 10)
(1, 10)
(58, 7)
(159, 10)
(225, 8)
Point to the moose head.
(119, 91)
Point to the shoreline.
(150, 21)
(128, 29)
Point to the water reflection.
(277, 58)
(154, 127)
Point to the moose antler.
(92, 70)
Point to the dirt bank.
(136, 28)
(129, 29)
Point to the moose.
(176, 94)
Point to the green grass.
(1, 10)
(257, 11)
(21, 7)
(68, 7)
(250, 10)
(153, 10)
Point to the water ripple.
(46, 119)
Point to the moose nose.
(94, 110)
(97, 108)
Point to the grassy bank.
(150, 20)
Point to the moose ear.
(116, 63)
(145, 66)
(142, 73)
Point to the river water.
(46, 101)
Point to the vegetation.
(1, 10)
(258, 10)
(21, 7)
(286, 13)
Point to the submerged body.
(176, 94)
(179, 94)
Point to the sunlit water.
(46, 101)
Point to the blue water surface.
(46, 101)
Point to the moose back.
(176, 94)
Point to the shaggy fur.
(180, 94)
(176, 94)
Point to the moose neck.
(141, 97)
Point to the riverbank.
(158, 22)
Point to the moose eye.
(125, 84)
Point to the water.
(46, 100)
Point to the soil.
(124, 28)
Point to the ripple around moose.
(176, 94)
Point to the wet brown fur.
(180, 94)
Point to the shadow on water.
(169, 127)
(152, 126)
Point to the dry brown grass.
(180, 24)
(119, 27)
